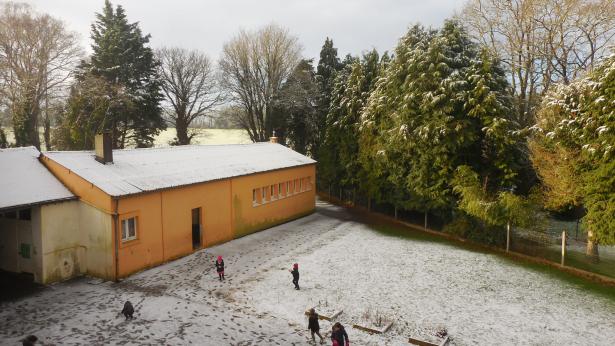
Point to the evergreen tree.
(326, 71)
(441, 104)
(122, 59)
(579, 121)
(295, 108)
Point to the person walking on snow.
(339, 336)
(314, 326)
(220, 268)
(295, 273)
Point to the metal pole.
(508, 236)
(563, 248)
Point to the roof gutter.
(33, 204)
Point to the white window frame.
(126, 235)
(255, 196)
(264, 194)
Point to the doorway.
(196, 228)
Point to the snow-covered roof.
(141, 170)
(24, 180)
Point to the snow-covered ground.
(420, 285)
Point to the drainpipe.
(116, 240)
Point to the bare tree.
(189, 84)
(253, 66)
(37, 57)
(542, 41)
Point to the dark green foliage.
(123, 68)
(467, 227)
(295, 109)
(580, 119)
(326, 71)
(3, 141)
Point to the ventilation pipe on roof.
(273, 139)
(103, 148)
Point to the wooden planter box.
(373, 330)
(329, 317)
(418, 342)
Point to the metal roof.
(142, 170)
(25, 181)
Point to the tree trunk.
(181, 129)
(592, 247)
(47, 130)
(425, 220)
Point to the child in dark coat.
(128, 310)
(339, 336)
(220, 268)
(295, 273)
(314, 326)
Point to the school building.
(138, 208)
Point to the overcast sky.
(354, 25)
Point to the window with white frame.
(280, 190)
(254, 196)
(129, 229)
(264, 194)
(288, 192)
(272, 194)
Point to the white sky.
(354, 25)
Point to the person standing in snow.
(339, 336)
(295, 273)
(128, 310)
(314, 326)
(220, 268)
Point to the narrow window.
(129, 229)
(309, 183)
(264, 195)
(254, 196)
(273, 196)
(301, 184)
(280, 190)
(288, 192)
(295, 185)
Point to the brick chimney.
(103, 148)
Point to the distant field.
(204, 136)
(207, 136)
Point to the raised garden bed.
(419, 342)
(373, 322)
(325, 313)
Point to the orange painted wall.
(249, 218)
(214, 200)
(85, 190)
(146, 250)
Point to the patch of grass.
(407, 233)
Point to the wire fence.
(543, 242)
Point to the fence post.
(425, 220)
(395, 213)
(563, 248)
(508, 236)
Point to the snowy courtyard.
(419, 284)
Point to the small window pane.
(129, 229)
